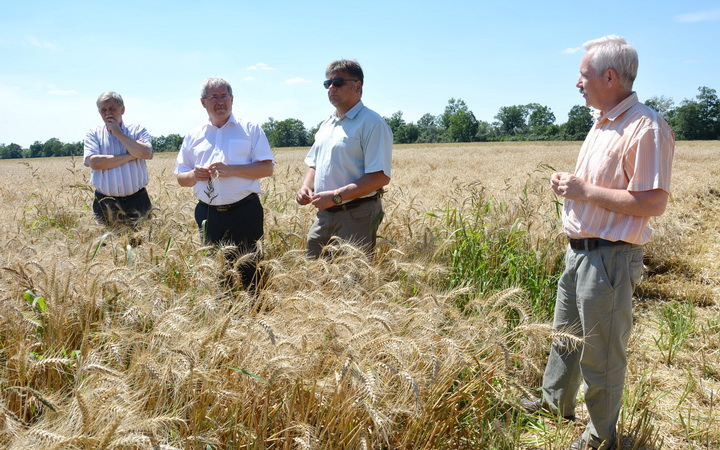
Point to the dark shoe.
(536, 405)
(580, 444)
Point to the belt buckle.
(221, 208)
(585, 244)
(590, 244)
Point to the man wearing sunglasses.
(349, 164)
(223, 161)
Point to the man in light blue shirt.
(349, 164)
(116, 153)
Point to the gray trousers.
(357, 225)
(594, 302)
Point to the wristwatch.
(337, 199)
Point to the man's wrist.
(337, 198)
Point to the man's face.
(346, 96)
(591, 84)
(111, 112)
(218, 104)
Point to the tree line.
(692, 119)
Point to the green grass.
(492, 250)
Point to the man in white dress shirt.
(223, 161)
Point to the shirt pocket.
(239, 151)
(349, 146)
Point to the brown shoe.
(536, 405)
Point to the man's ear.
(611, 77)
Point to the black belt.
(590, 244)
(353, 203)
(226, 208)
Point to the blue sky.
(57, 57)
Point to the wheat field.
(127, 340)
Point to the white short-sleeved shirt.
(125, 179)
(350, 146)
(236, 142)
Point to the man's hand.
(323, 200)
(138, 149)
(203, 173)
(640, 203)
(304, 195)
(568, 185)
(113, 127)
(220, 169)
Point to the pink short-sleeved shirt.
(630, 147)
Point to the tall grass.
(493, 245)
(124, 340)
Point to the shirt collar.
(231, 120)
(352, 112)
(620, 108)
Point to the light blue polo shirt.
(350, 146)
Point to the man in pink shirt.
(621, 180)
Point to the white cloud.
(63, 92)
(572, 50)
(296, 80)
(702, 16)
(261, 66)
(248, 78)
(46, 45)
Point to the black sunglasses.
(336, 82)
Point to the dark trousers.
(121, 211)
(240, 225)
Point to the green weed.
(677, 323)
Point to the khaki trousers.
(594, 302)
(357, 225)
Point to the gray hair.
(110, 95)
(349, 66)
(214, 82)
(614, 52)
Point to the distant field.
(104, 344)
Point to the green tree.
(407, 134)
(687, 121)
(71, 149)
(269, 127)
(430, 129)
(578, 124)
(52, 147)
(459, 122)
(285, 133)
(540, 119)
(11, 151)
(395, 121)
(698, 119)
(485, 131)
(174, 142)
(403, 133)
(312, 132)
(512, 119)
(36, 150)
(169, 143)
(662, 104)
